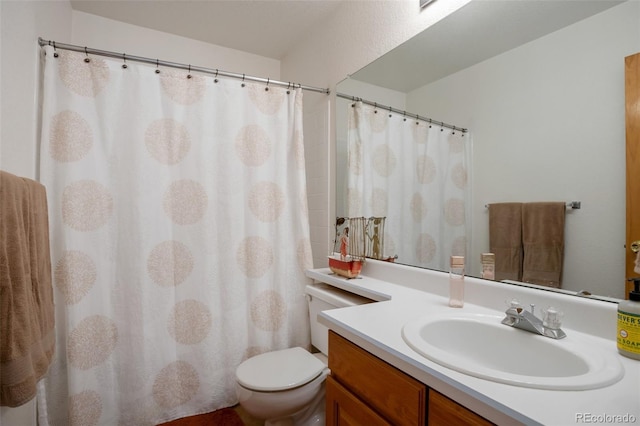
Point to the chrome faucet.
(518, 317)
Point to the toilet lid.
(279, 370)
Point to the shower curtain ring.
(87, 60)
(390, 112)
(157, 66)
(124, 60)
(215, 78)
(288, 88)
(55, 54)
(266, 89)
(242, 85)
(189, 75)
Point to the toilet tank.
(322, 297)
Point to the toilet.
(286, 387)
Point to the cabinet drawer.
(399, 398)
(445, 412)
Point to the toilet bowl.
(286, 387)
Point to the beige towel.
(505, 239)
(543, 241)
(26, 295)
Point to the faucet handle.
(513, 307)
(513, 303)
(552, 318)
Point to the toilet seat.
(279, 370)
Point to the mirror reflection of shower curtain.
(415, 174)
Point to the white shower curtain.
(179, 236)
(416, 175)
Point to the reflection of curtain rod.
(159, 63)
(574, 205)
(397, 111)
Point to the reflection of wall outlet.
(423, 3)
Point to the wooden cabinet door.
(401, 399)
(345, 409)
(632, 114)
(443, 411)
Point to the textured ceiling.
(478, 31)
(271, 28)
(267, 28)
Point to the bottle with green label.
(629, 323)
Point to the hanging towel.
(543, 241)
(505, 239)
(26, 296)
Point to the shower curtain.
(179, 236)
(416, 175)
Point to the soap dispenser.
(488, 261)
(456, 282)
(629, 323)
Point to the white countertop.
(408, 293)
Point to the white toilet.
(286, 387)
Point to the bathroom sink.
(479, 345)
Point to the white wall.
(107, 34)
(21, 24)
(559, 98)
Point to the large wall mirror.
(540, 87)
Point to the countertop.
(405, 294)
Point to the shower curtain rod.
(404, 113)
(160, 63)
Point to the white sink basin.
(480, 346)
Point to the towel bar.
(573, 205)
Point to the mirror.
(540, 87)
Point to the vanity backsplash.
(591, 316)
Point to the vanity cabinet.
(363, 389)
(384, 389)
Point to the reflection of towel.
(26, 305)
(543, 241)
(505, 239)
